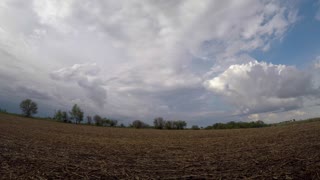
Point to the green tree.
(61, 116)
(28, 107)
(76, 113)
(180, 124)
(169, 125)
(58, 115)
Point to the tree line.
(76, 115)
(238, 125)
(3, 111)
(160, 123)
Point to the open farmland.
(39, 149)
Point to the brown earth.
(39, 149)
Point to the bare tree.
(98, 120)
(139, 124)
(89, 120)
(159, 123)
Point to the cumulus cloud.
(258, 87)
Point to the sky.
(202, 61)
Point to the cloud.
(272, 117)
(254, 117)
(258, 87)
(114, 56)
(298, 113)
(86, 76)
(32, 92)
(76, 72)
(317, 63)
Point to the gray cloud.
(139, 59)
(32, 92)
(86, 76)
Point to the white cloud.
(153, 55)
(254, 117)
(275, 117)
(298, 113)
(261, 87)
(53, 13)
(76, 72)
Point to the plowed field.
(39, 149)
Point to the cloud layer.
(142, 59)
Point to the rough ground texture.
(39, 149)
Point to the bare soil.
(40, 149)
